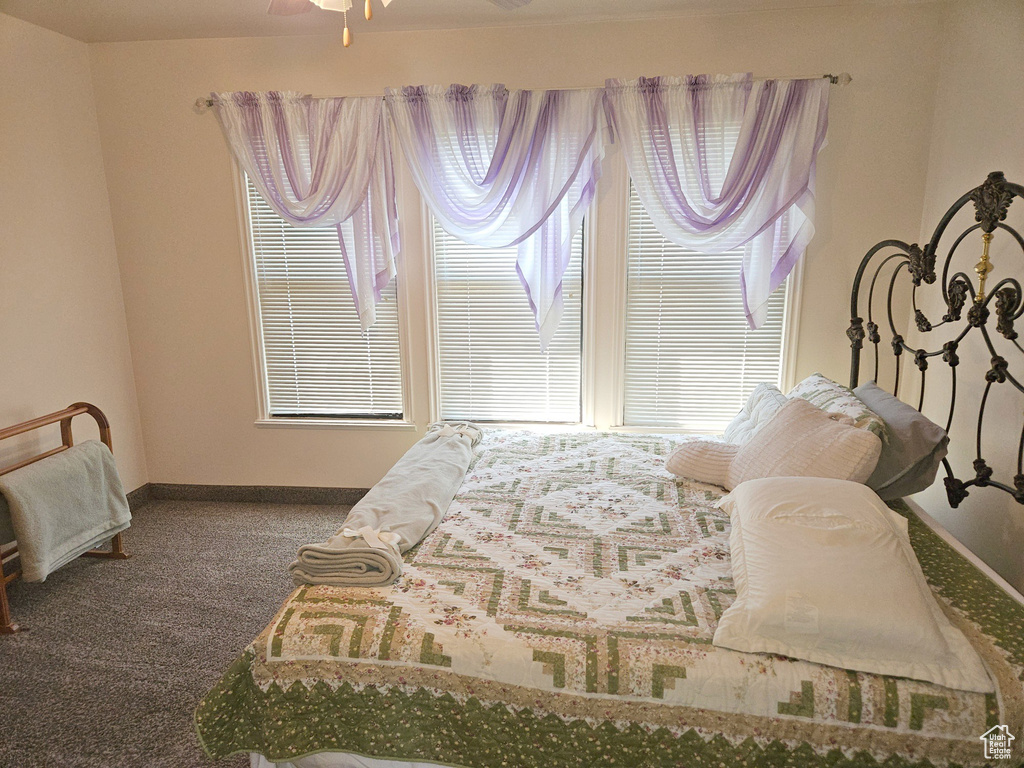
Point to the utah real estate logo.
(997, 740)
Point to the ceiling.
(96, 21)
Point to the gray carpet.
(118, 653)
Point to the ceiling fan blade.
(289, 7)
(510, 5)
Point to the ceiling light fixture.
(344, 6)
(292, 7)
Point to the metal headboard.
(991, 204)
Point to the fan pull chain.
(368, 10)
(346, 37)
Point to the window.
(690, 358)
(489, 359)
(316, 362)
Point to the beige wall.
(977, 128)
(176, 217)
(63, 336)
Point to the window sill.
(368, 425)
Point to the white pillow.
(824, 571)
(802, 440)
(763, 403)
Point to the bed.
(562, 614)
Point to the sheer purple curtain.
(500, 168)
(323, 162)
(722, 162)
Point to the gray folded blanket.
(64, 505)
(395, 515)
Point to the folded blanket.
(63, 506)
(395, 515)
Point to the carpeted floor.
(118, 653)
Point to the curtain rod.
(202, 104)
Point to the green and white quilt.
(562, 615)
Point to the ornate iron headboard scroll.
(991, 204)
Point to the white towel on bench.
(64, 505)
(395, 515)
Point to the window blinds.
(490, 364)
(316, 360)
(691, 361)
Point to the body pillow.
(825, 572)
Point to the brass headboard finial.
(983, 268)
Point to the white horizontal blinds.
(317, 361)
(691, 360)
(491, 366)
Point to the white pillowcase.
(825, 572)
(802, 440)
(763, 403)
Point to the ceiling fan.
(292, 7)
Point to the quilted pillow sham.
(804, 441)
(835, 398)
(825, 572)
(764, 402)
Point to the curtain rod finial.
(843, 78)
(202, 105)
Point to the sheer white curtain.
(323, 162)
(725, 161)
(500, 168)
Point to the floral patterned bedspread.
(562, 615)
